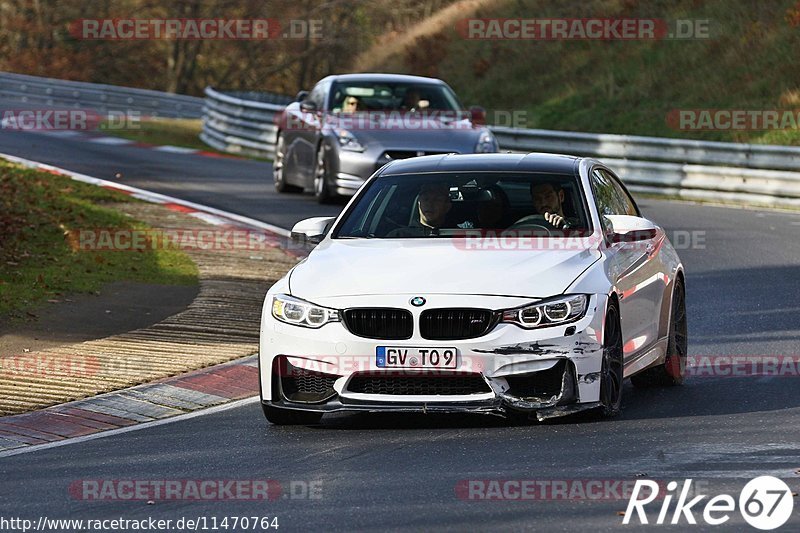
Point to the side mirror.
(302, 95)
(627, 228)
(477, 115)
(308, 106)
(311, 230)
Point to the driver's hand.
(557, 221)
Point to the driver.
(548, 200)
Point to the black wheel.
(286, 417)
(322, 190)
(673, 370)
(277, 168)
(611, 369)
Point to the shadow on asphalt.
(717, 396)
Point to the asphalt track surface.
(400, 472)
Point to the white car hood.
(433, 266)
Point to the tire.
(611, 372)
(673, 371)
(277, 168)
(287, 417)
(322, 190)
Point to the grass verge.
(38, 212)
(625, 86)
(183, 132)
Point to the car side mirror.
(627, 228)
(477, 115)
(302, 95)
(311, 230)
(308, 106)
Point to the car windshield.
(448, 205)
(381, 96)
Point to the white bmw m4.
(526, 286)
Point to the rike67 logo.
(765, 503)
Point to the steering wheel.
(529, 223)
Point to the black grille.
(542, 384)
(425, 385)
(302, 385)
(379, 323)
(454, 324)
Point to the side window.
(318, 95)
(606, 198)
(625, 201)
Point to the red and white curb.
(226, 385)
(203, 390)
(211, 215)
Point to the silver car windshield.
(446, 205)
(355, 97)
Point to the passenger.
(434, 204)
(350, 104)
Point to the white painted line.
(64, 133)
(176, 149)
(128, 429)
(110, 140)
(149, 195)
(214, 220)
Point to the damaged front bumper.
(510, 371)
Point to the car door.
(638, 275)
(309, 131)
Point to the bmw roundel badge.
(418, 301)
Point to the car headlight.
(486, 143)
(348, 141)
(301, 313)
(552, 312)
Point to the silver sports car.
(335, 137)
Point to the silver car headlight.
(553, 312)
(301, 313)
(486, 143)
(348, 141)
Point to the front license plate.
(411, 357)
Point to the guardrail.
(749, 174)
(243, 123)
(51, 92)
